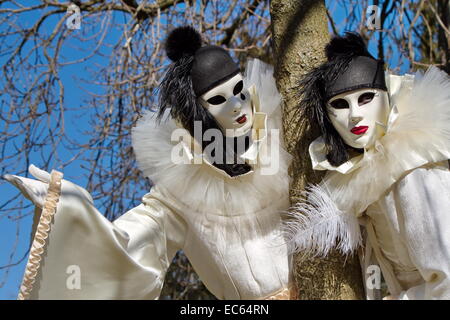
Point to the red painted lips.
(359, 130)
(242, 119)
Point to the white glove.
(34, 190)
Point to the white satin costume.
(228, 227)
(399, 190)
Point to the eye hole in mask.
(340, 104)
(216, 100)
(365, 98)
(238, 87)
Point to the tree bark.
(443, 10)
(300, 32)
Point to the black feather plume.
(182, 41)
(351, 44)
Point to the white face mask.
(359, 116)
(230, 105)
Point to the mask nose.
(354, 114)
(235, 105)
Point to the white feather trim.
(315, 227)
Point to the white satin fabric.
(128, 259)
(410, 232)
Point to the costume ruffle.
(42, 232)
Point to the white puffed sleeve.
(423, 203)
(87, 257)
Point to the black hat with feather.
(349, 66)
(195, 69)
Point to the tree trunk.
(443, 11)
(300, 32)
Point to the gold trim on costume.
(42, 232)
(283, 294)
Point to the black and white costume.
(398, 186)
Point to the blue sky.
(74, 97)
(75, 94)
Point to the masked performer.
(220, 205)
(385, 143)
